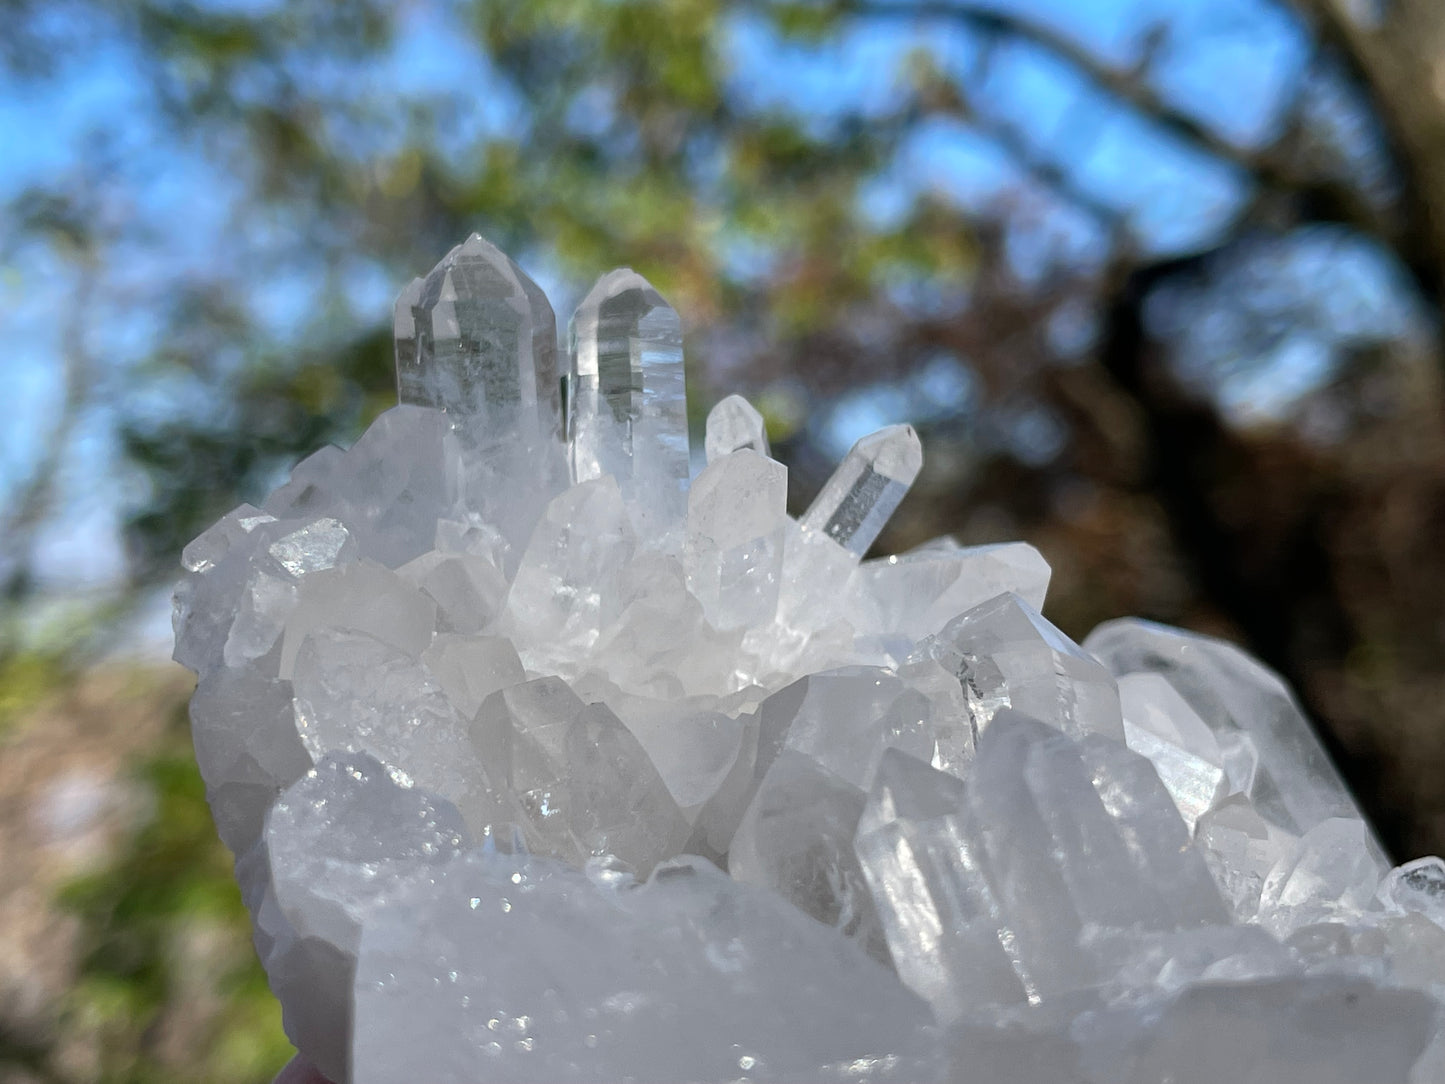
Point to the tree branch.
(1129, 86)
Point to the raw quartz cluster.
(543, 761)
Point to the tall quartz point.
(867, 487)
(733, 425)
(627, 399)
(478, 339)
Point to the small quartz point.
(627, 399)
(796, 838)
(1417, 886)
(1006, 654)
(732, 425)
(1160, 725)
(866, 488)
(733, 551)
(1294, 786)
(583, 780)
(923, 862)
(1333, 872)
(478, 339)
(915, 594)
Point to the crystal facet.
(734, 424)
(481, 341)
(1005, 654)
(867, 487)
(626, 398)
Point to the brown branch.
(1397, 63)
(1269, 165)
(1125, 84)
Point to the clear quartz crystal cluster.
(543, 762)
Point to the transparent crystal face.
(626, 398)
(866, 489)
(478, 339)
(734, 425)
(544, 763)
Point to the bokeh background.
(1159, 281)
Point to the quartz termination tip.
(627, 398)
(867, 487)
(478, 339)
(732, 425)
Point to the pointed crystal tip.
(627, 398)
(867, 487)
(732, 425)
(478, 336)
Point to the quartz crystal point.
(356, 693)
(923, 862)
(1241, 848)
(1160, 725)
(736, 523)
(868, 485)
(1294, 785)
(1417, 886)
(986, 888)
(569, 584)
(734, 424)
(844, 719)
(704, 755)
(1332, 871)
(478, 339)
(627, 398)
(1005, 654)
(796, 838)
(585, 784)
(915, 594)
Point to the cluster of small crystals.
(542, 761)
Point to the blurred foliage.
(26, 677)
(167, 987)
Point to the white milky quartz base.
(541, 763)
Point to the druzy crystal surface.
(543, 761)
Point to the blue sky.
(1230, 63)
